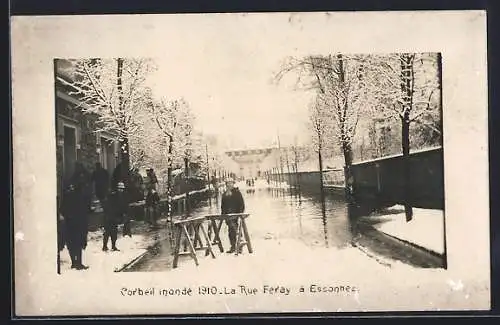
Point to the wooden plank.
(188, 220)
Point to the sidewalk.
(130, 248)
(425, 230)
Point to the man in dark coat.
(152, 197)
(232, 202)
(136, 188)
(75, 208)
(115, 213)
(100, 178)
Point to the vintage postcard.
(250, 163)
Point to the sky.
(223, 64)
(225, 70)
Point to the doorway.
(70, 155)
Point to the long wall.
(379, 182)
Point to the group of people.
(75, 206)
(250, 182)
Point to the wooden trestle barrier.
(189, 229)
(242, 235)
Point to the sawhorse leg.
(177, 248)
(197, 242)
(182, 230)
(216, 229)
(242, 232)
(207, 239)
(190, 245)
(247, 236)
(238, 236)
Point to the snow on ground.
(291, 264)
(278, 260)
(130, 248)
(425, 229)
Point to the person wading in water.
(232, 202)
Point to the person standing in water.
(232, 202)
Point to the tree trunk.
(405, 132)
(124, 148)
(349, 177)
(407, 90)
(346, 145)
(208, 176)
(186, 179)
(125, 159)
(169, 178)
(321, 187)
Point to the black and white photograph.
(249, 163)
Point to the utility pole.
(281, 160)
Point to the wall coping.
(414, 152)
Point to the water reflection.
(314, 220)
(309, 218)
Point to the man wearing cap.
(115, 212)
(232, 202)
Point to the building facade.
(76, 132)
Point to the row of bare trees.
(152, 132)
(348, 88)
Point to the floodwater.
(285, 214)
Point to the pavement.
(130, 248)
(419, 241)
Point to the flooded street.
(282, 215)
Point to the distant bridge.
(252, 162)
(250, 152)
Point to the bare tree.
(297, 157)
(340, 85)
(169, 119)
(114, 90)
(407, 88)
(319, 128)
